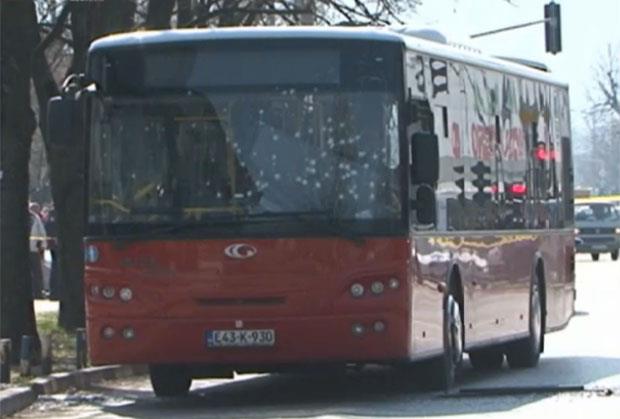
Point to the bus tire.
(169, 380)
(440, 373)
(525, 353)
(486, 359)
(614, 255)
(595, 256)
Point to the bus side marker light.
(91, 254)
(107, 332)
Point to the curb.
(13, 400)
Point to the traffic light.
(480, 182)
(460, 183)
(553, 28)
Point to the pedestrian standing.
(38, 243)
(52, 246)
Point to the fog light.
(125, 294)
(108, 292)
(107, 332)
(393, 283)
(377, 287)
(357, 329)
(94, 290)
(129, 333)
(357, 290)
(378, 326)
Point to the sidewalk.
(22, 391)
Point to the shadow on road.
(379, 392)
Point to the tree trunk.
(89, 20)
(185, 14)
(18, 21)
(158, 14)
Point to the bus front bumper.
(328, 339)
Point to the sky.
(588, 26)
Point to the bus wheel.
(525, 353)
(442, 372)
(614, 255)
(169, 380)
(486, 359)
(595, 256)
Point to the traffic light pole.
(553, 28)
(509, 28)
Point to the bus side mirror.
(61, 120)
(425, 205)
(424, 158)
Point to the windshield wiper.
(309, 218)
(183, 226)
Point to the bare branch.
(56, 31)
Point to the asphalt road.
(587, 353)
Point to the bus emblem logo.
(240, 251)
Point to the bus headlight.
(577, 231)
(393, 283)
(357, 329)
(357, 290)
(125, 294)
(377, 287)
(107, 332)
(378, 326)
(108, 292)
(129, 333)
(617, 230)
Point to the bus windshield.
(198, 154)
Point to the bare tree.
(606, 93)
(83, 22)
(603, 122)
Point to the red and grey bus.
(263, 199)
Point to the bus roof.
(421, 45)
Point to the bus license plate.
(240, 338)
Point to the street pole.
(508, 28)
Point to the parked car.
(597, 229)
